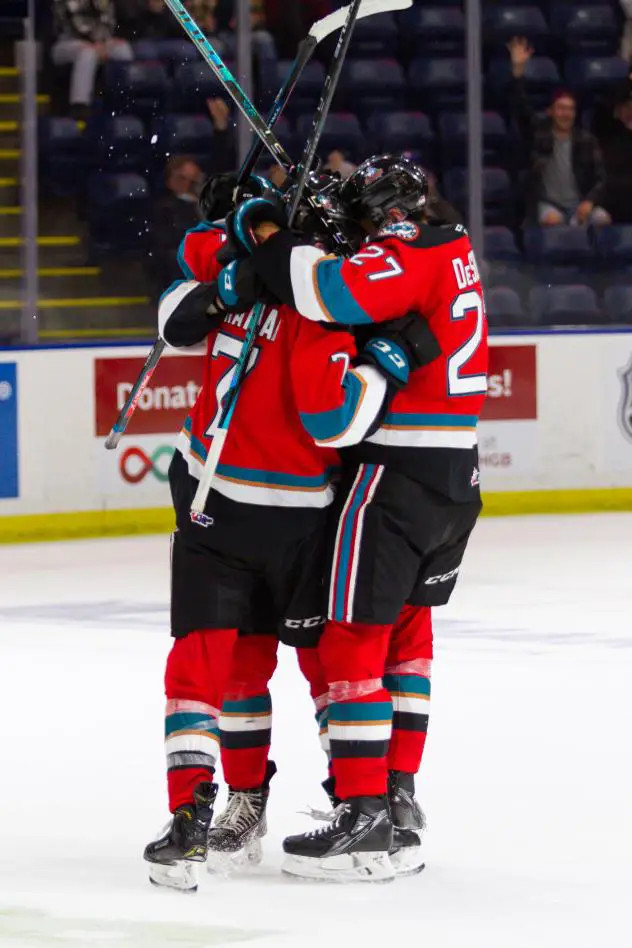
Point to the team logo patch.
(625, 405)
(405, 230)
(372, 174)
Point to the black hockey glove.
(400, 347)
(241, 223)
(239, 288)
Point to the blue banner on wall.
(9, 486)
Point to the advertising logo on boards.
(508, 429)
(135, 464)
(9, 475)
(164, 404)
(625, 403)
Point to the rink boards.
(556, 434)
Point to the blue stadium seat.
(194, 84)
(614, 245)
(119, 143)
(439, 83)
(401, 131)
(138, 88)
(145, 50)
(453, 132)
(375, 86)
(375, 37)
(571, 305)
(497, 193)
(558, 246)
(308, 89)
(62, 156)
(117, 213)
(504, 307)
(591, 30)
(618, 303)
(502, 22)
(342, 131)
(184, 135)
(175, 52)
(590, 76)
(541, 77)
(500, 245)
(434, 30)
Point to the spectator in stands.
(337, 162)
(85, 37)
(176, 211)
(263, 45)
(567, 176)
(147, 19)
(172, 215)
(613, 128)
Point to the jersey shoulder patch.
(404, 230)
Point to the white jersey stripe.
(339, 532)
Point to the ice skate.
(234, 842)
(183, 843)
(409, 824)
(352, 847)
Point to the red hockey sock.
(407, 678)
(312, 668)
(246, 719)
(360, 709)
(195, 678)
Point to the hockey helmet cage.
(385, 189)
(220, 194)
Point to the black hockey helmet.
(220, 194)
(385, 189)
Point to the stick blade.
(335, 21)
(113, 439)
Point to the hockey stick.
(331, 82)
(319, 31)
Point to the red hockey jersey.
(299, 401)
(407, 268)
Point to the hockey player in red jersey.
(250, 570)
(408, 502)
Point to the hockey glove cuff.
(239, 288)
(389, 358)
(241, 223)
(412, 334)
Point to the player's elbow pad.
(366, 394)
(187, 313)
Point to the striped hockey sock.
(245, 731)
(410, 694)
(359, 734)
(191, 745)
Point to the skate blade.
(350, 867)
(182, 876)
(407, 861)
(230, 863)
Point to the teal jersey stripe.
(257, 704)
(274, 478)
(190, 722)
(324, 425)
(408, 684)
(344, 712)
(184, 266)
(430, 420)
(335, 295)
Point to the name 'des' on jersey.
(298, 403)
(408, 267)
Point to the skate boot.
(409, 824)
(183, 843)
(353, 847)
(234, 841)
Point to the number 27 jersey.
(429, 432)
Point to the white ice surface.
(527, 780)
